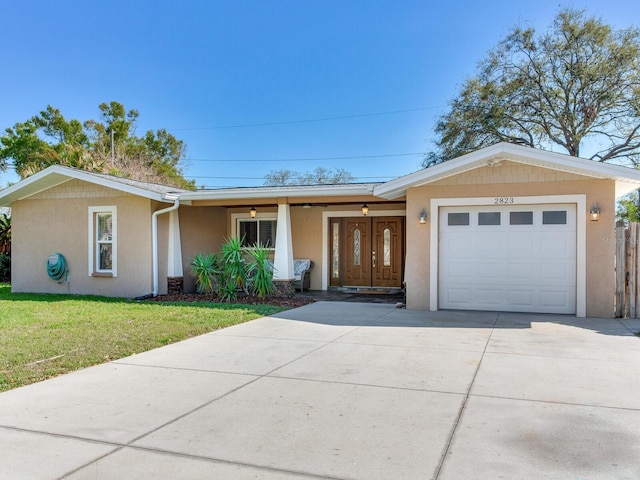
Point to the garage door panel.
(491, 298)
(520, 298)
(557, 245)
(489, 271)
(527, 268)
(520, 245)
(461, 244)
(459, 296)
(557, 272)
(552, 299)
(517, 272)
(457, 270)
(487, 244)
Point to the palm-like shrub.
(260, 271)
(233, 264)
(206, 268)
(227, 272)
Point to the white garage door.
(516, 258)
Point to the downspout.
(154, 238)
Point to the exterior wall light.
(252, 212)
(423, 216)
(594, 213)
(365, 209)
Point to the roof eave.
(515, 153)
(57, 175)
(277, 192)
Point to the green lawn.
(42, 336)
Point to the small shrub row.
(227, 272)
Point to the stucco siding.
(306, 229)
(202, 230)
(48, 225)
(79, 189)
(600, 235)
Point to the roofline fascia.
(276, 192)
(72, 174)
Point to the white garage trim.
(581, 237)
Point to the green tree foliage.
(627, 208)
(319, 176)
(5, 233)
(578, 82)
(50, 139)
(5, 247)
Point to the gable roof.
(57, 175)
(627, 179)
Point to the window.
(103, 244)
(386, 239)
(489, 218)
(335, 270)
(521, 218)
(458, 219)
(554, 217)
(257, 231)
(356, 247)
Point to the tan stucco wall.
(202, 230)
(57, 221)
(517, 181)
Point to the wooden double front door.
(367, 252)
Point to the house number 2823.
(503, 200)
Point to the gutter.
(154, 238)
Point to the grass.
(42, 336)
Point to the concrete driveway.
(345, 391)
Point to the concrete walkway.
(345, 391)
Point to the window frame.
(94, 243)
(256, 220)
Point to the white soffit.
(627, 179)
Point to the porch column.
(283, 259)
(175, 274)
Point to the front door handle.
(373, 258)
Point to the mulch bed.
(285, 302)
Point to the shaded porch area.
(336, 295)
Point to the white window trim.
(93, 251)
(236, 217)
(581, 238)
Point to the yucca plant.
(227, 291)
(206, 268)
(233, 264)
(260, 271)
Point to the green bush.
(234, 268)
(5, 267)
(206, 268)
(226, 273)
(260, 271)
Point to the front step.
(371, 290)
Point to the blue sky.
(264, 80)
